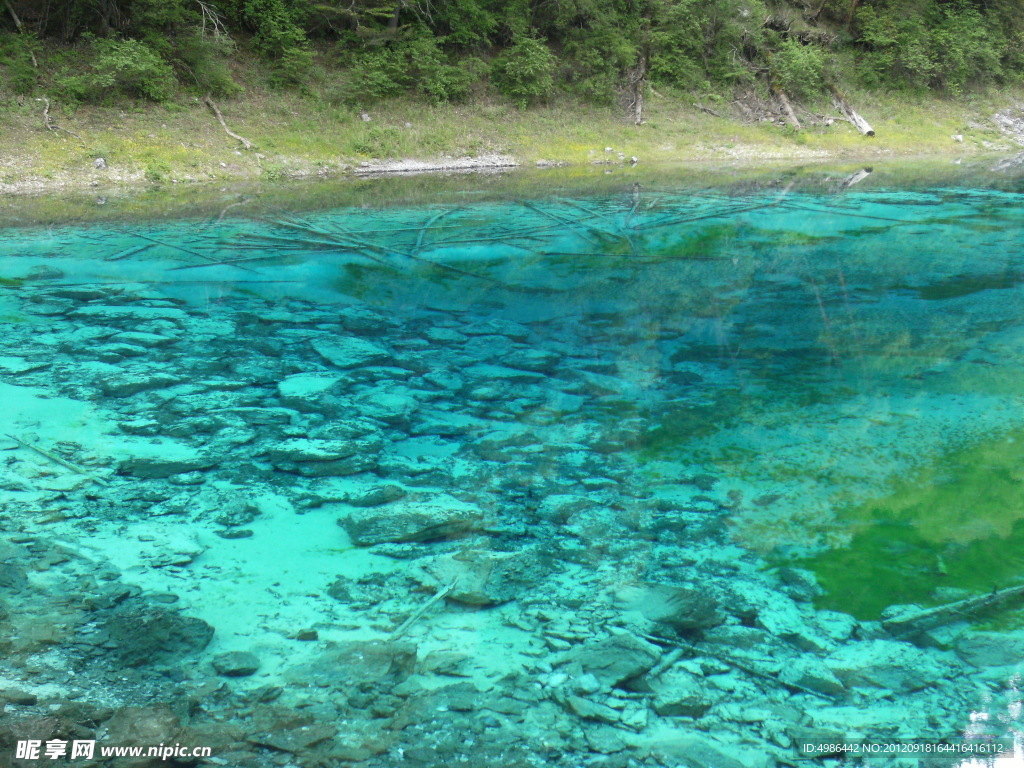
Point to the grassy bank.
(296, 137)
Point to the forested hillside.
(526, 51)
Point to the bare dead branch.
(244, 141)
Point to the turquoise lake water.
(649, 474)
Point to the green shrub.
(595, 60)
(377, 141)
(157, 170)
(937, 46)
(797, 68)
(414, 62)
(695, 43)
(378, 75)
(16, 58)
(278, 37)
(131, 67)
(966, 49)
(525, 72)
(204, 58)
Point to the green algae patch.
(956, 525)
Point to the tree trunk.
(393, 21)
(639, 86)
(21, 30)
(850, 114)
(961, 610)
(849, 17)
(791, 117)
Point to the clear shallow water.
(564, 435)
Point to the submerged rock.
(991, 649)
(351, 352)
(143, 635)
(143, 726)
(811, 673)
(306, 391)
(325, 458)
(679, 693)
(887, 664)
(304, 449)
(236, 663)
(683, 607)
(115, 381)
(127, 314)
(616, 659)
(295, 740)
(411, 520)
(487, 578)
(163, 459)
(375, 496)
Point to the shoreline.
(114, 148)
(120, 181)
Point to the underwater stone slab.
(618, 658)
(486, 374)
(888, 664)
(604, 739)
(539, 360)
(305, 391)
(128, 313)
(444, 335)
(306, 450)
(351, 352)
(351, 466)
(697, 751)
(375, 496)
(809, 672)
(140, 339)
(115, 381)
(236, 663)
(389, 407)
(295, 740)
(163, 459)
(154, 724)
(991, 649)
(409, 520)
(487, 578)
(680, 606)
(16, 365)
(143, 635)
(679, 693)
(362, 320)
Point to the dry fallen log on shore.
(708, 110)
(791, 117)
(851, 114)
